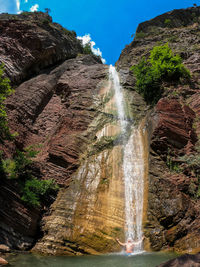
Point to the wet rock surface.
(173, 217)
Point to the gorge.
(123, 167)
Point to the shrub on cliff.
(162, 65)
(87, 49)
(5, 91)
(33, 191)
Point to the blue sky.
(110, 23)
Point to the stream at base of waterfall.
(133, 168)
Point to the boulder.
(185, 260)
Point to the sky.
(108, 24)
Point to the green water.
(113, 260)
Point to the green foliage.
(198, 192)
(148, 83)
(192, 160)
(173, 166)
(34, 190)
(18, 167)
(172, 38)
(162, 65)
(192, 164)
(168, 22)
(87, 49)
(5, 91)
(2, 174)
(140, 35)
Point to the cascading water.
(133, 169)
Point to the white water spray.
(133, 168)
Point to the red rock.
(31, 42)
(173, 126)
(55, 114)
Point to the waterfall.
(133, 168)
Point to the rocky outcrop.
(173, 217)
(174, 19)
(18, 223)
(30, 42)
(184, 260)
(56, 113)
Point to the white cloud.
(87, 39)
(18, 6)
(34, 8)
(26, 1)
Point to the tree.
(87, 49)
(5, 91)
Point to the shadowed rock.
(183, 261)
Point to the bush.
(5, 91)
(140, 35)
(87, 49)
(168, 22)
(19, 166)
(34, 190)
(162, 65)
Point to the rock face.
(88, 215)
(30, 42)
(53, 109)
(64, 102)
(173, 217)
(184, 260)
(18, 223)
(55, 114)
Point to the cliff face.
(173, 217)
(68, 108)
(52, 109)
(31, 42)
(64, 102)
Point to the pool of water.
(112, 260)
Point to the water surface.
(112, 260)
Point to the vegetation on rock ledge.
(162, 65)
(33, 191)
(5, 91)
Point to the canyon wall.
(64, 102)
(173, 124)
